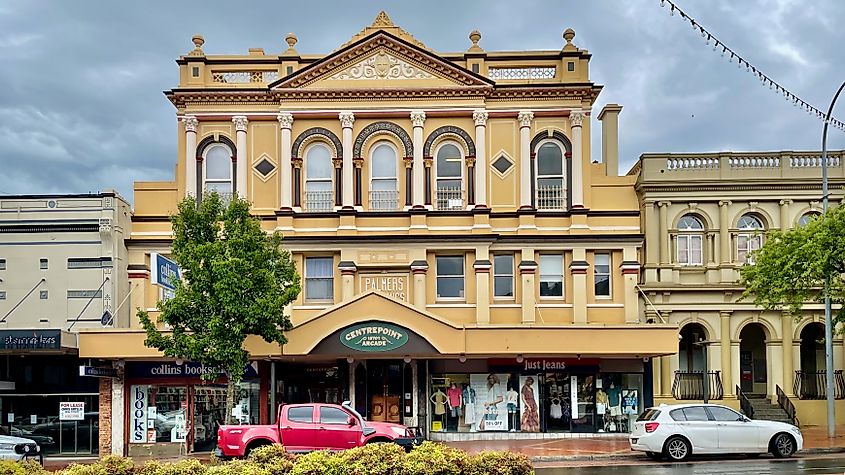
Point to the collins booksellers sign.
(163, 272)
(374, 336)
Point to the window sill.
(447, 304)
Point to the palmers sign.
(374, 336)
(392, 285)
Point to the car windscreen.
(649, 415)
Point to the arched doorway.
(753, 375)
(812, 378)
(690, 350)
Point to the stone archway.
(753, 361)
(690, 351)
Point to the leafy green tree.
(236, 280)
(790, 269)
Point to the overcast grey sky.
(81, 107)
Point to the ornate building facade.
(467, 268)
(703, 216)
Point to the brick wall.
(105, 416)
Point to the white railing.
(318, 201)
(449, 198)
(813, 161)
(551, 197)
(530, 72)
(244, 77)
(384, 200)
(754, 162)
(692, 163)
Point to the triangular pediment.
(381, 60)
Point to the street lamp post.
(828, 319)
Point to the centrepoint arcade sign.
(374, 336)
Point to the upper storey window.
(550, 186)
(749, 238)
(384, 186)
(217, 170)
(807, 217)
(318, 179)
(449, 167)
(690, 241)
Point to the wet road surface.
(709, 466)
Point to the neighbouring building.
(703, 215)
(467, 267)
(63, 268)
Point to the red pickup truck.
(309, 427)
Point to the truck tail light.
(651, 426)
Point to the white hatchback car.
(677, 431)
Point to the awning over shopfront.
(376, 325)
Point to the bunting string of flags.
(726, 51)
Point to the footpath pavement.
(604, 448)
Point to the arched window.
(318, 178)
(449, 167)
(217, 170)
(807, 217)
(690, 241)
(550, 186)
(749, 238)
(384, 187)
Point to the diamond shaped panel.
(502, 164)
(264, 167)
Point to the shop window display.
(617, 401)
(475, 402)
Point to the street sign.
(71, 411)
(163, 271)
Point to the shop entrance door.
(386, 390)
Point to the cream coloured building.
(702, 216)
(458, 243)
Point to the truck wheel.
(254, 446)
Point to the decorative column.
(651, 243)
(191, 123)
(630, 268)
(528, 271)
(724, 232)
(663, 237)
(578, 267)
(480, 117)
(240, 122)
(576, 119)
(725, 347)
(786, 322)
(525, 199)
(285, 189)
(417, 186)
(347, 276)
(419, 269)
(784, 214)
(482, 288)
(427, 162)
(346, 121)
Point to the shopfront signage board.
(71, 411)
(138, 414)
(30, 339)
(98, 371)
(164, 272)
(374, 337)
(392, 285)
(169, 369)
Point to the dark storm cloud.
(81, 107)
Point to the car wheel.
(783, 446)
(654, 455)
(677, 449)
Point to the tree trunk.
(230, 400)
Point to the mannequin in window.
(601, 408)
(439, 399)
(512, 400)
(468, 398)
(614, 398)
(454, 398)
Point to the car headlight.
(399, 431)
(796, 430)
(7, 446)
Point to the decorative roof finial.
(569, 35)
(475, 37)
(291, 40)
(198, 41)
(382, 20)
